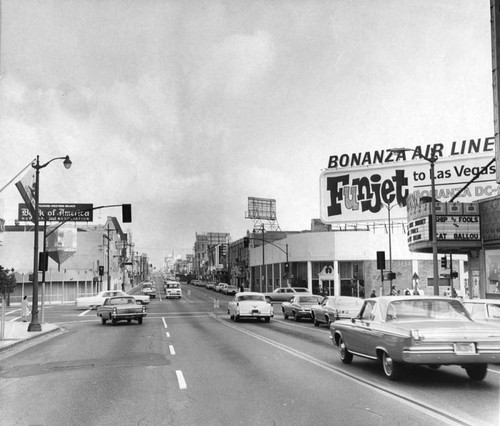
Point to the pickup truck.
(121, 308)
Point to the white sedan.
(92, 302)
(250, 305)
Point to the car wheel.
(139, 320)
(328, 322)
(268, 299)
(345, 355)
(237, 318)
(129, 321)
(315, 321)
(267, 319)
(392, 369)
(434, 366)
(113, 321)
(296, 317)
(103, 320)
(285, 315)
(476, 371)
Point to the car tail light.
(415, 335)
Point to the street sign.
(58, 212)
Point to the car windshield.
(172, 285)
(122, 301)
(410, 310)
(252, 297)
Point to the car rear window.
(253, 297)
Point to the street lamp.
(432, 160)
(35, 324)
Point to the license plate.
(464, 348)
(255, 311)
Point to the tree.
(7, 283)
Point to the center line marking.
(172, 351)
(180, 379)
(167, 334)
(164, 322)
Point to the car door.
(320, 313)
(359, 337)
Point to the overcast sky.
(186, 108)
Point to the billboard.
(58, 212)
(364, 193)
(261, 208)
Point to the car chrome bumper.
(448, 356)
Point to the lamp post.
(432, 160)
(35, 324)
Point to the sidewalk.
(16, 332)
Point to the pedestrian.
(25, 309)
(373, 294)
(394, 291)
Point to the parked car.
(300, 306)
(422, 330)
(149, 289)
(250, 305)
(121, 308)
(172, 289)
(284, 294)
(333, 308)
(484, 310)
(92, 302)
(211, 285)
(229, 289)
(219, 287)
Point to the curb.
(13, 343)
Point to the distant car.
(300, 306)
(121, 308)
(229, 289)
(424, 330)
(284, 294)
(211, 285)
(333, 308)
(484, 310)
(92, 302)
(250, 305)
(219, 287)
(149, 289)
(172, 289)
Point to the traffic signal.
(454, 274)
(287, 268)
(126, 213)
(101, 271)
(43, 260)
(381, 260)
(443, 262)
(246, 242)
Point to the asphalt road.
(188, 364)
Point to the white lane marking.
(164, 322)
(167, 334)
(180, 379)
(84, 312)
(172, 350)
(12, 312)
